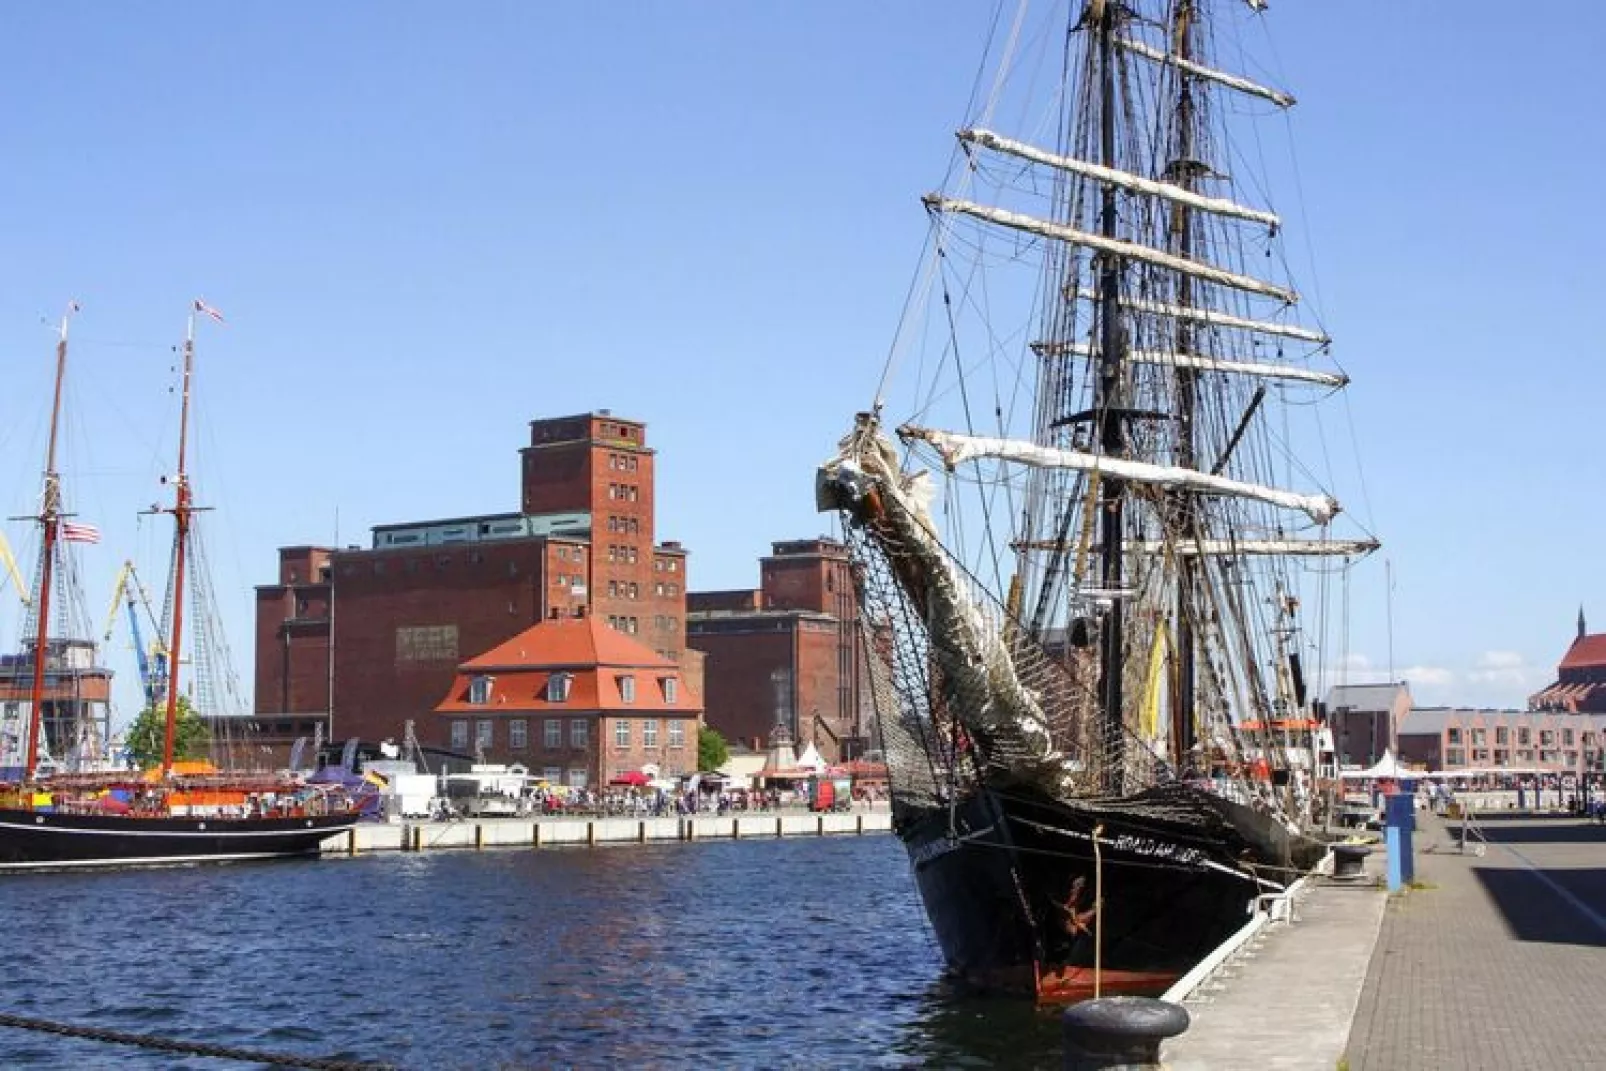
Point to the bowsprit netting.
(955, 705)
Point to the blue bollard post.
(1399, 820)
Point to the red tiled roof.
(565, 643)
(1585, 651)
(596, 658)
(1575, 697)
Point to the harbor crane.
(152, 661)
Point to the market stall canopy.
(1387, 766)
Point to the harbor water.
(809, 952)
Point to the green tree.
(712, 751)
(148, 735)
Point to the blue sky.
(431, 223)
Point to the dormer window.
(671, 690)
(479, 690)
(627, 689)
(557, 687)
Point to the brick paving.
(1500, 962)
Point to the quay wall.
(549, 832)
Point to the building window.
(627, 689)
(552, 774)
(649, 733)
(677, 733)
(552, 734)
(479, 690)
(1566, 738)
(518, 734)
(658, 565)
(563, 553)
(484, 733)
(633, 590)
(577, 777)
(613, 589)
(1523, 736)
(1547, 738)
(1453, 735)
(577, 733)
(1453, 757)
(671, 690)
(1502, 736)
(621, 733)
(460, 735)
(557, 687)
(1477, 737)
(673, 565)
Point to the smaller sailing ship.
(173, 814)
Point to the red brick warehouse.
(787, 651)
(401, 615)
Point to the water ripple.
(799, 953)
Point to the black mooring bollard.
(1119, 1032)
(1349, 860)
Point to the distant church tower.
(1580, 620)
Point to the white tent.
(1387, 766)
(811, 758)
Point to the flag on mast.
(203, 307)
(79, 533)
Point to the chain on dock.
(188, 1048)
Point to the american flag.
(79, 533)
(203, 307)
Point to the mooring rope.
(189, 1048)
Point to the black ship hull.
(1010, 880)
(37, 840)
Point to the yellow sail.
(10, 564)
(1149, 721)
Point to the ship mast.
(1110, 431)
(49, 522)
(181, 510)
(1184, 169)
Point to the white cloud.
(1506, 669)
(1500, 660)
(1428, 676)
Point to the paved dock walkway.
(1499, 961)
(1286, 1002)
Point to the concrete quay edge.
(543, 832)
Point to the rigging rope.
(188, 1048)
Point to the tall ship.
(95, 814)
(1094, 561)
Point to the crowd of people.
(646, 802)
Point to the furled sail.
(956, 448)
(1200, 315)
(1194, 548)
(1208, 364)
(1198, 70)
(1124, 179)
(1131, 250)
